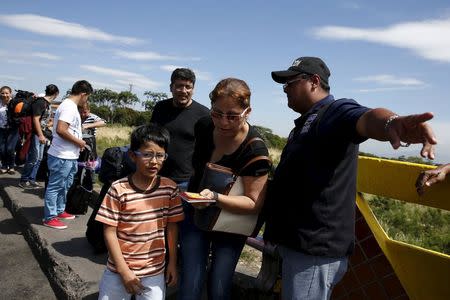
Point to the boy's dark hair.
(81, 86)
(183, 74)
(51, 90)
(149, 133)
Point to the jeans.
(195, 246)
(182, 185)
(33, 161)
(8, 142)
(112, 288)
(307, 277)
(61, 174)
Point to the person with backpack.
(9, 133)
(63, 154)
(310, 203)
(40, 112)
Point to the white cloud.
(200, 75)
(386, 79)
(388, 82)
(95, 84)
(108, 71)
(54, 27)
(23, 57)
(149, 55)
(45, 56)
(429, 39)
(386, 89)
(125, 77)
(170, 68)
(11, 77)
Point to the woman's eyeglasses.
(147, 156)
(230, 117)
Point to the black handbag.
(80, 194)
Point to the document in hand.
(195, 198)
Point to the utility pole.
(131, 87)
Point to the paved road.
(21, 276)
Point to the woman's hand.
(207, 194)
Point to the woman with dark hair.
(221, 138)
(9, 134)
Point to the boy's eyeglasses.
(147, 156)
(230, 117)
(302, 76)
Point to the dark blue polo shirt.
(311, 201)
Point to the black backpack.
(20, 106)
(115, 164)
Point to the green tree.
(126, 98)
(272, 140)
(105, 97)
(151, 98)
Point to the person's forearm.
(172, 241)
(249, 203)
(37, 126)
(65, 134)
(94, 125)
(372, 124)
(112, 243)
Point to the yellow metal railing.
(424, 274)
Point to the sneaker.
(26, 185)
(3, 171)
(11, 171)
(55, 223)
(35, 185)
(66, 216)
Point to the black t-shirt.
(204, 148)
(40, 107)
(180, 123)
(311, 201)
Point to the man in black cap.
(312, 198)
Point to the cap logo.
(296, 63)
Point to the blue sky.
(392, 54)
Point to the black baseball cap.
(303, 65)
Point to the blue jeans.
(61, 174)
(195, 246)
(8, 142)
(307, 277)
(182, 185)
(112, 288)
(33, 161)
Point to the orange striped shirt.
(141, 218)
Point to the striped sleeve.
(109, 212)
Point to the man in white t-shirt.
(63, 154)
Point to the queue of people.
(310, 199)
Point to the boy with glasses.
(140, 213)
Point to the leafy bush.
(102, 111)
(272, 140)
(419, 225)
